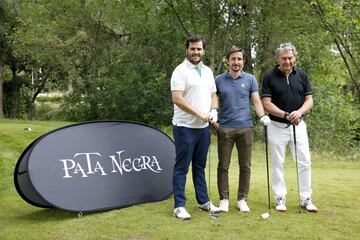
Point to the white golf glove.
(265, 120)
(213, 114)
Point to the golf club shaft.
(267, 165)
(297, 168)
(209, 159)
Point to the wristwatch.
(286, 114)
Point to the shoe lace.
(205, 206)
(307, 202)
(223, 203)
(208, 206)
(280, 201)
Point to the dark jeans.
(243, 138)
(191, 145)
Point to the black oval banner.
(96, 166)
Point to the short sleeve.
(308, 89)
(177, 81)
(254, 85)
(266, 90)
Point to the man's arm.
(257, 104)
(272, 108)
(179, 100)
(214, 101)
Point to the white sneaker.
(308, 205)
(181, 213)
(224, 205)
(209, 207)
(242, 206)
(280, 204)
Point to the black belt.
(286, 124)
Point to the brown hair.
(195, 38)
(234, 49)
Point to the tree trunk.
(14, 94)
(1, 87)
(267, 57)
(354, 80)
(30, 102)
(29, 108)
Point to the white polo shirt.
(197, 92)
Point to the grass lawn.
(336, 187)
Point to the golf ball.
(265, 215)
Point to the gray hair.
(285, 47)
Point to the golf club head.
(214, 215)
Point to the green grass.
(335, 186)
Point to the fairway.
(336, 192)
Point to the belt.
(281, 124)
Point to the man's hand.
(265, 120)
(294, 117)
(215, 125)
(205, 117)
(213, 115)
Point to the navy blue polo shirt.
(287, 93)
(234, 97)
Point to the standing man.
(193, 93)
(287, 96)
(235, 88)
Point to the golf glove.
(213, 114)
(265, 120)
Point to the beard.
(193, 61)
(235, 68)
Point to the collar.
(229, 75)
(190, 65)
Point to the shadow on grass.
(53, 214)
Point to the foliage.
(337, 122)
(341, 20)
(114, 59)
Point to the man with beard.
(193, 93)
(287, 96)
(235, 88)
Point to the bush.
(48, 111)
(41, 99)
(334, 122)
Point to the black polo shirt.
(287, 93)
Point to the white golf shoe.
(224, 205)
(280, 204)
(209, 207)
(181, 213)
(242, 206)
(308, 205)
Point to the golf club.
(213, 215)
(297, 169)
(266, 215)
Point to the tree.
(8, 23)
(341, 20)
